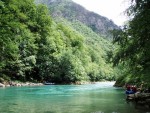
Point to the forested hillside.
(71, 11)
(36, 48)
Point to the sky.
(112, 9)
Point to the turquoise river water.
(92, 98)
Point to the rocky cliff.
(72, 11)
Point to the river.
(91, 98)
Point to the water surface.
(92, 98)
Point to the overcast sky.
(112, 9)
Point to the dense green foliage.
(35, 48)
(134, 41)
(98, 49)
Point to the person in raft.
(131, 89)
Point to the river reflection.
(92, 98)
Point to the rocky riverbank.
(20, 84)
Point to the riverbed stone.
(8, 85)
(2, 85)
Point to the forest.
(36, 48)
(134, 40)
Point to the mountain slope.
(72, 11)
(34, 47)
(99, 50)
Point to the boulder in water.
(2, 85)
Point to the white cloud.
(112, 9)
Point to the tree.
(134, 41)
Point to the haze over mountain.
(72, 12)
